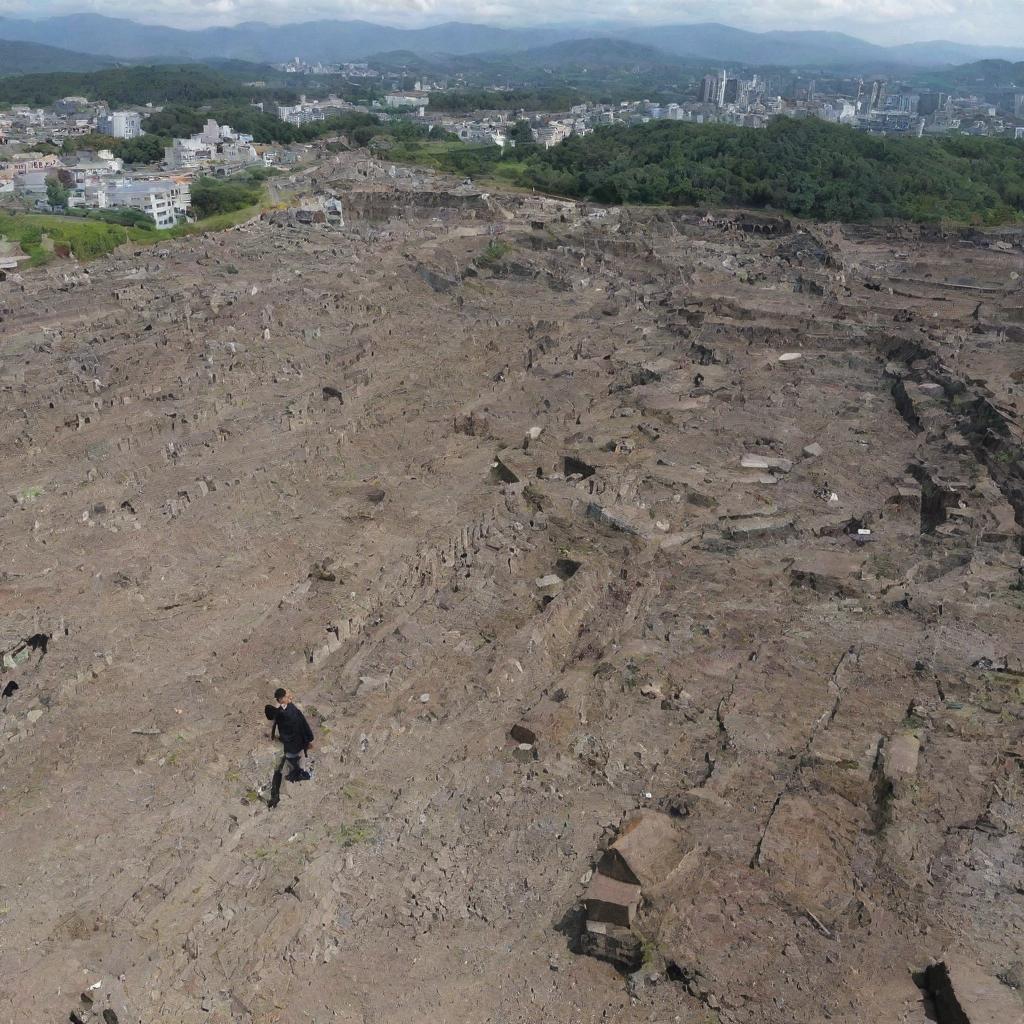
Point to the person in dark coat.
(292, 729)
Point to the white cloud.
(995, 21)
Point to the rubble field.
(650, 580)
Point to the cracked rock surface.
(442, 487)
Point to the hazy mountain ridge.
(256, 41)
(22, 58)
(336, 40)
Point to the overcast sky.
(882, 21)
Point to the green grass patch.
(495, 252)
(89, 238)
(352, 835)
(86, 239)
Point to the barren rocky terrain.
(547, 515)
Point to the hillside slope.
(22, 58)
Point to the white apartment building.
(406, 99)
(224, 157)
(548, 135)
(304, 113)
(166, 202)
(184, 154)
(122, 124)
(88, 167)
(480, 132)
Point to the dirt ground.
(727, 509)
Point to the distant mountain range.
(20, 58)
(332, 41)
(807, 49)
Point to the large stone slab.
(964, 994)
(610, 901)
(646, 852)
(618, 946)
(900, 756)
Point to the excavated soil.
(474, 460)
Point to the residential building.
(301, 114)
(185, 154)
(166, 202)
(32, 183)
(548, 135)
(406, 99)
(486, 133)
(71, 105)
(87, 166)
(929, 103)
(122, 124)
(27, 162)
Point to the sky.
(881, 21)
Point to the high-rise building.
(730, 91)
(904, 103)
(710, 89)
(877, 95)
(929, 103)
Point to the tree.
(520, 134)
(56, 193)
(212, 195)
(362, 135)
(146, 149)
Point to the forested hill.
(808, 168)
(190, 83)
(30, 58)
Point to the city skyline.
(878, 21)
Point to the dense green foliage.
(221, 83)
(211, 196)
(125, 216)
(147, 149)
(56, 193)
(808, 168)
(455, 157)
(192, 83)
(520, 135)
(982, 78)
(259, 173)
